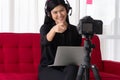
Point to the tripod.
(84, 70)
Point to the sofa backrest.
(19, 52)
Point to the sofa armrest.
(111, 67)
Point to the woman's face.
(59, 14)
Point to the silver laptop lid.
(66, 55)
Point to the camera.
(88, 26)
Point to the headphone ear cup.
(47, 13)
(68, 8)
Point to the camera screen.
(87, 28)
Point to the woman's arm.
(50, 35)
(59, 28)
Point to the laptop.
(66, 55)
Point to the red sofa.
(20, 55)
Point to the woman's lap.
(52, 73)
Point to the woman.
(57, 31)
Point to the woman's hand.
(60, 27)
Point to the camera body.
(88, 26)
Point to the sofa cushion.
(20, 52)
(105, 76)
(18, 76)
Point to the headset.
(68, 7)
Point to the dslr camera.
(88, 26)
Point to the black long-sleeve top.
(70, 37)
